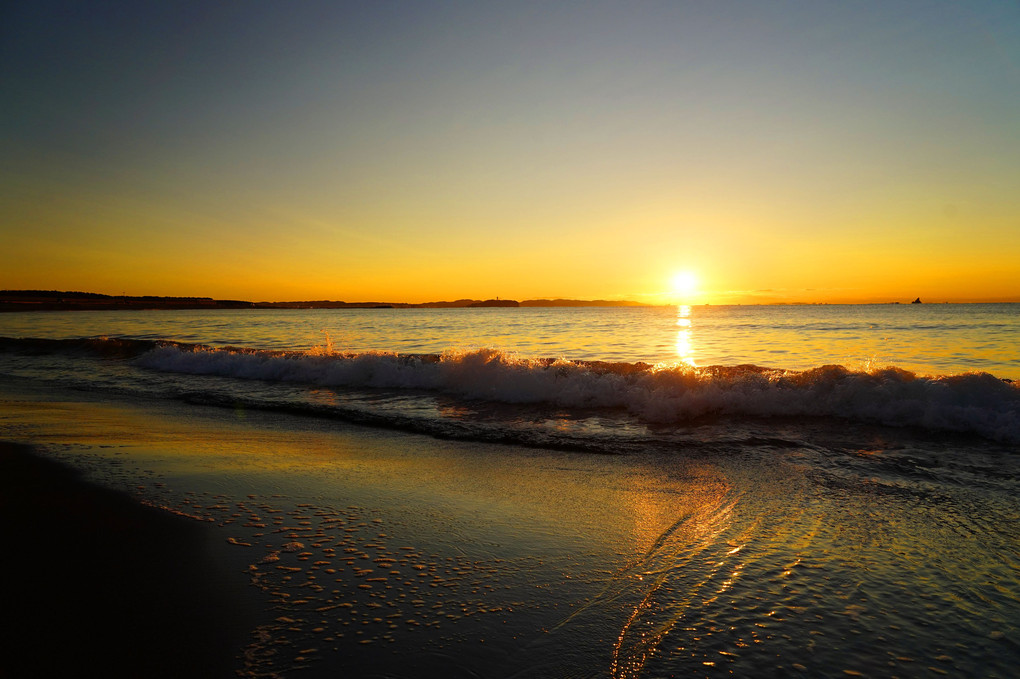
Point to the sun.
(684, 284)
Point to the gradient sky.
(782, 151)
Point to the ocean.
(580, 492)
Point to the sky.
(419, 151)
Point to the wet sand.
(96, 584)
(372, 553)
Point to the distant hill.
(496, 303)
(447, 305)
(578, 302)
(57, 300)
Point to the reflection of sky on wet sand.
(322, 514)
(674, 554)
(545, 562)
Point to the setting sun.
(684, 284)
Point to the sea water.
(752, 491)
(610, 376)
(932, 339)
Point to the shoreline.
(55, 300)
(226, 305)
(367, 552)
(98, 583)
(370, 552)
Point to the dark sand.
(92, 583)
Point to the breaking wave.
(662, 394)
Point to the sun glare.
(684, 284)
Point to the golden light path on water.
(699, 531)
(684, 336)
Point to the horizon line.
(467, 301)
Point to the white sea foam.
(974, 402)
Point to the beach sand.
(364, 552)
(315, 548)
(96, 584)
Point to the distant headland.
(55, 300)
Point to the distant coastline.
(55, 300)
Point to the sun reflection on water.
(687, 563)
(684, 345)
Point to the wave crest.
(661, 394)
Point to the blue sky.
(782, 151)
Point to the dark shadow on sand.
(92, 583)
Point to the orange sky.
(788, 152)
